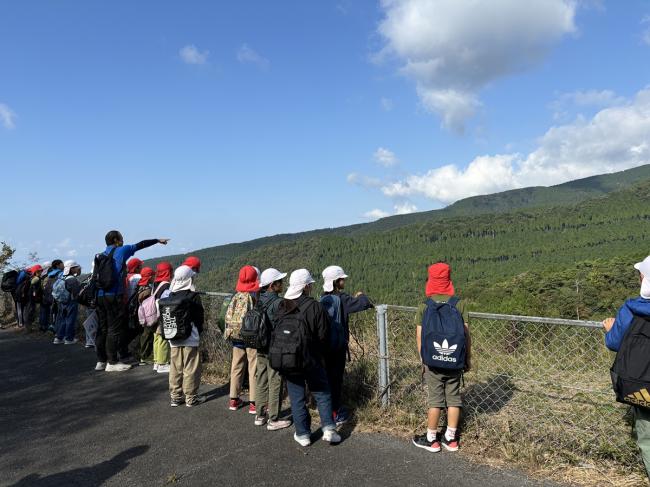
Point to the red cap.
(439, 281)
(164, 272)
(146, 274)
(193, 263)
(248, 282)
(133, 264)
(34, 269)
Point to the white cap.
(269, 276)
(297, 282)
(46, 265)
(644, 267)
(331, 274)
(69, 264)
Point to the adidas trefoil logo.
(640, 398)
(445, 349)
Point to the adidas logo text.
(641, 398)
(443, 358)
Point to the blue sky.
(215, 122)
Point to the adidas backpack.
(631, 369)
(9, 281)
(240, 305)
(443, 336)
(288, 348)
(332, 304)
(175, 312)
(103, 271)
(59, 292)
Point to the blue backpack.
(59, 292)
(443, 336)
(332, 304)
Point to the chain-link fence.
(538, 386)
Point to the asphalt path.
(62, 424)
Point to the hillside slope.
(527, 198)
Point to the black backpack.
(22, 290)
(175, 313)
(631, 369)
(256, 328)
(9, 281)
(288, 348)
(88, 294)
(103, 272)
(48, 299)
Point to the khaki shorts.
(444, 388)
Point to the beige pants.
(185, 373)
(239, 359)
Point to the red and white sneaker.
(422, 442)
(251, 408)
(235, 404)
(450, 445)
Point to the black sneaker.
(422, 442)
(177, 402)
(196, 402)
(450, 445)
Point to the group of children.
(304, 349)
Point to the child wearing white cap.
(66, 291)
(633, 317)
(315, 325)
(339, 306)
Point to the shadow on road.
(95, 475)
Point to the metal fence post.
(382, 333)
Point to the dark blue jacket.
(350, 305)
(632, 307)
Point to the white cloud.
(386, 104)
(403, 208)
(385, 157)
(364, 181)
(645, 35)
(71, 253)
(375, 214)
(191, 55)
(452, 49)
(7, 116)
(589, 98)
(247, 55)
(614, 139)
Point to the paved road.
(63, 424)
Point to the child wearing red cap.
(144, 290)
(161, 350)
(443, 384)
(248, 287)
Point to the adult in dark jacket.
(616, 329)
(268, 392)
(339, 306)
(112, 304)
(316, 322)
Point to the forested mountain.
(534, 197)
(571, 258)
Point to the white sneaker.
(163, 369)
(303, 440)
(70, 342)
(118, 367)
(278, 425)
(331, 436)
(89, 345)
(100, 366)
(155, 367)
(57, 341)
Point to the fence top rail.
(527, 319)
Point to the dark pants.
(146, 343)
(316, 380)
(335, 363)
(29, 314)
(111, 312)
(44, 316)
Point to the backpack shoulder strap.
(453, 301)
